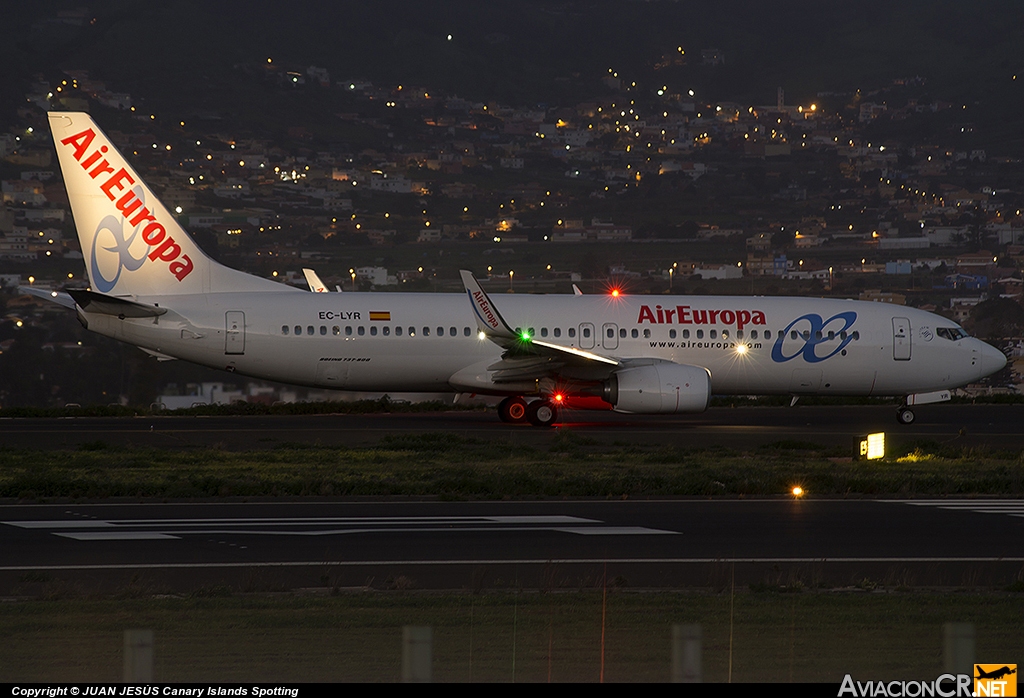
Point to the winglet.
(315, 284)
(488, 319)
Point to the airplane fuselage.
(430, 342)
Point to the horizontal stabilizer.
(92, 302)
(58, 297)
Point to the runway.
(265, 546)
(991, 426)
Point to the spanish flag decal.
(384, 315)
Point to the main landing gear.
(539, 413)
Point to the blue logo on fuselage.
(817, 332)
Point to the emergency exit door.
(901, 339)
(234, 332)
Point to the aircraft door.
(901, 339)
(586, 336)
(610, 335)
(234, 332)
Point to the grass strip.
(454, 467)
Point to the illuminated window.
(725, 334)
(412, 331)
(336, 330)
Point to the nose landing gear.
(905, 415)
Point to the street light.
(510, 275)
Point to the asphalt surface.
(994, 426)
(157, 547)
(259, 546)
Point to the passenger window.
(452, 331)
(686, 334)
(831, 335)
(647, 334)
(572, 331)
(386, 330)
(767, 334)
(558, 331)
(739, 334)
(753, 334)
(636, 333)
(611, 333)
(309, 329)
(426, 331)
(412, 331)
(466, 331)
(622, 333)
(323, 330)
(362, 330)
(793, 334)
(348, 330)
(842, 335)
(543, 331)
(298, 330)
(398, 331)
(856, 335)
(671, 334)
(700, 334)
(373, 330)
(284, 329)
(586, 332)
(806, 334)
(725, 334)
(336, 330)
(713, 334)
(440, 332)
(817, 335)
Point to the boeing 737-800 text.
(153, 287)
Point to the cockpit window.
(951, 333)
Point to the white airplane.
(151, 286)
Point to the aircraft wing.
(526, 357)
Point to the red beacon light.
(615, 293)
(558, 397)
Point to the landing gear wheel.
(905, 415)
(541, 413)
(512, 410)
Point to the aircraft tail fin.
(131, 243)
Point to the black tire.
(905, 416)
(541, 413)
(512, 410)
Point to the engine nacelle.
(662, 388)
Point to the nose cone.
(992, 360)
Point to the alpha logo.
(685, 315)
(832, 333)
(130, 202)
(995, 680)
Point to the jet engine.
(661, 388)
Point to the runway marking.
(118, 535)
(518, 561)
(1010, 507)
(175, 529)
